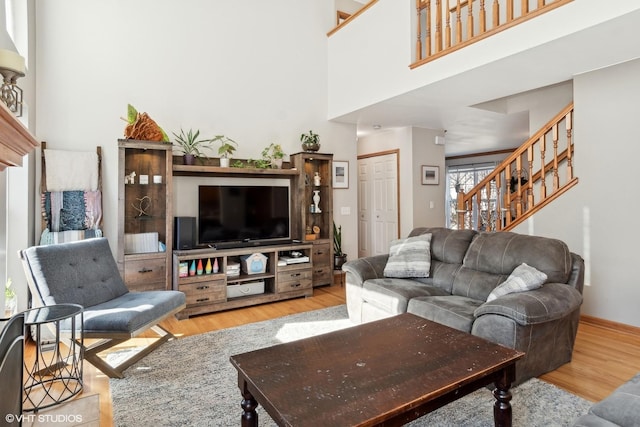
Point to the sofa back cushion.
(448, 248)
(82, 272)
(493, 256)
(447, 245)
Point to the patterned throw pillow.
(410, 257)
(522, 278)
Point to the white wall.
(428, 200)
(255, 71)
(379, 46)
(597, 217)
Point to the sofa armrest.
(363, 269)
(550, 302)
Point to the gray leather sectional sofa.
(465, 267)
(620, 408)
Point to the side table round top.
(51, 313)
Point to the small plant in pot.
(10, 300)
(310, 141)
(274, 155)
(339, 257)
(226, 149)
(190, 145)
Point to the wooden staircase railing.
(525, 181)
(446, 26)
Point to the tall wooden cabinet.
(145, 214)
(312, 213)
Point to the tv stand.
(224, 290)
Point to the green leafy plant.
(259, 163)
(337, 240)
(273, 151)
(237, 164)
(227, 146)
(190, 144)
(310, 138)
(8, 290)
(273, 154)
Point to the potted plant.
(226, 149)
(339, 257)
(10, 300)
(190, 145)
(310, 141)
(274, 155)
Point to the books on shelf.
(233, 269)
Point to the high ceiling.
(473, 119)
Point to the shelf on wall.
(212, 166)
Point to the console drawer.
(145, 274)
(204, 292)
(293, 275)
(321, 254)
(294, 285)
(322, 275)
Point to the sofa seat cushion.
(590, 420)
(134, 310)
(393, 295)
(453, 310)
(622, 407)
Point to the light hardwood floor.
(603, 357)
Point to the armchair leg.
(91, 353)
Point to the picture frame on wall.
(430, 175)
(340, 174)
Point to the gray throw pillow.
(522, 278)
(410, 257)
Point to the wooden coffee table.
(386, 372)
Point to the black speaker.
(184, 232)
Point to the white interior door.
(364, 207)
(377, 203)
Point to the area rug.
(190, 382)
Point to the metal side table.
(54, 374)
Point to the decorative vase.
(208, 268)
(188, 159)
(338, 261)
(215, 265)
(224, 162)
(316, 201)
(317, 180)
(192, 268)
(310, 147)
(199, 270)
(276, 164)
(10, 306)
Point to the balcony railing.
(446, 26)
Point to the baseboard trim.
(609, 324)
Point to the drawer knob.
(295, 285)
(145, 270)
(202, 287)
(295, 275)
(202, 299)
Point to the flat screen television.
(235, 214)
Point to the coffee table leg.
(249, 416)
(502, 406)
